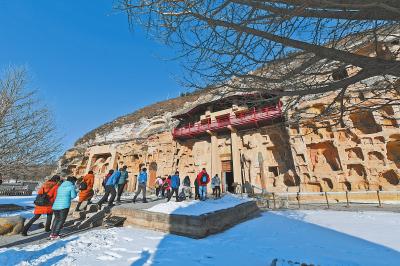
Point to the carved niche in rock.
(393, 149)
(365, 122)
(391, 177)
(324, 157)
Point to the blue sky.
(85, 62)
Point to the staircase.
(91, 216)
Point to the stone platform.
(193, 226)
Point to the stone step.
(94, 219)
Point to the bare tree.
(27, 131)
(293, 48)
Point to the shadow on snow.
(268, 237)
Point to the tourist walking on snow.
(167, 186)
(123, 179)
(112, 181)
(203, 179)
(196, 189)
(142, 180)
(216, 186)
(65, 194)
(186, 186)
(48, 193)
(86, 190)
(158, 185)
(175, 183)
(110, 173)
(164, 187)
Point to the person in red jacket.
(50, 188)
(203, 179)
(166, 186)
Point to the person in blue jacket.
(112, 181)
(65, 194)
(122, 182)
(142, 183)
(175, 183)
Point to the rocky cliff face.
(152, 119)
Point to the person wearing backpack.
(175, 183)
(110, 173)
(111, 182)
(123, 179)
(158, 185)
(47, 193)
(65, 194)
(166, 186)
(203, 179)
(142, 185)
(86, 190)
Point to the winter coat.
(65, 193)
(105, 179)
(88, 192)
(186, 181)
(175, 181)
(113, 180)
(199, 177)
(142, 178)
(123, 178)
(215, 182)
(50, 188)
(159, 182)
(167, 184)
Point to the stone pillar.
(90, 163)
(215, 162)
(113, 161)
(235, 140)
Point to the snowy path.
(319, 237)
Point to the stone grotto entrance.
(227, 176)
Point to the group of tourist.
(170, 186)
(55, 195)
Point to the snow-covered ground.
(318, 237)
(21, 201)
(198, 207)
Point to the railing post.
(347, 199)
(273, 198)
(298, 199)
(379, 199)
(327, 201)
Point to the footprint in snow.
(133, 258)
(119, 249)
(106, 258)
(113, 254)
(154, 237)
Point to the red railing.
(248, 117)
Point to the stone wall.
(190, 226)
(364, 155)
